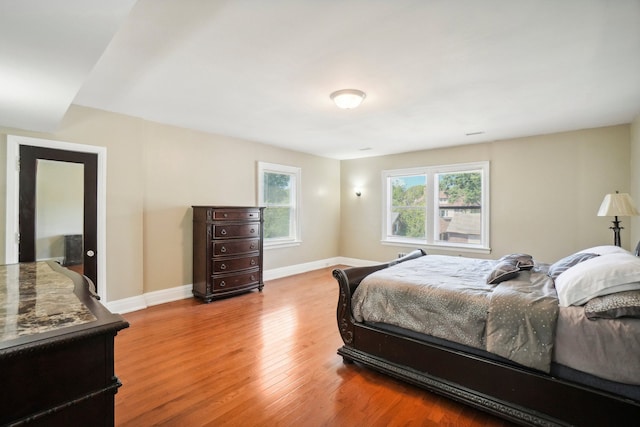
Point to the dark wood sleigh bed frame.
(519, 394)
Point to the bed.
(538, 344)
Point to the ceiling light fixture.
(348, 98)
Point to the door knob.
(90, 253)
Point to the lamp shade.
(617, 204)
(348, 98)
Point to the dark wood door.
(29, 156)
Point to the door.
(29, 156)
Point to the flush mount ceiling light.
(348, 98)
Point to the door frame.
(12, 199)
(29, 210)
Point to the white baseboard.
(127, 305)
(276, 273)
(354, 262)
(143, 301)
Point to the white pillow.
(606, 250)
(603, 275)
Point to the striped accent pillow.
(566, 263)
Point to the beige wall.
(635, 178)
(156, 172)
(545, 192)
(185, 168)
(3, 193)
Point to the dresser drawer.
(232, 231)
(235, 264)
(236, 280)
(235, 247)
(233, 214)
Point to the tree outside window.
(278, 192)
(408, 203)
(277, 199)
(460, 197)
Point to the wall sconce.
(615, 205)
(358, 192)
(348, 98)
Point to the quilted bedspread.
(448, 297)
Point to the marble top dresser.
(56, 349)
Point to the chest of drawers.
(227, 250)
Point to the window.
(444, 206)
(278, 192)
(407, 213)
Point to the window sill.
(440, 247)
(281, 244)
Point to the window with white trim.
(437, 205)
(279, 192)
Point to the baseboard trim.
(140, 302)
(127, 305)
(355, 262)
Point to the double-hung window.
(444, 206)
(279, 193)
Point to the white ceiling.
(47, 50)
(433, 71)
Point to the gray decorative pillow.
(567, 262)
(613, 306)
(504, 270)
(522, 261)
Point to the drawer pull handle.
(226, 215)
(253, 230)
(222, 284)
(223, 232)
(223, 266)
(253, 262)
(253, 277)
(252, 246)
(223, 249)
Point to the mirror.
(59, 212)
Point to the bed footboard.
(348, 280)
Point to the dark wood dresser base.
(227, 251)
(63, 376)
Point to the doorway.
(94, 227)
(30, 158)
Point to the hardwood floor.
(263, 359)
